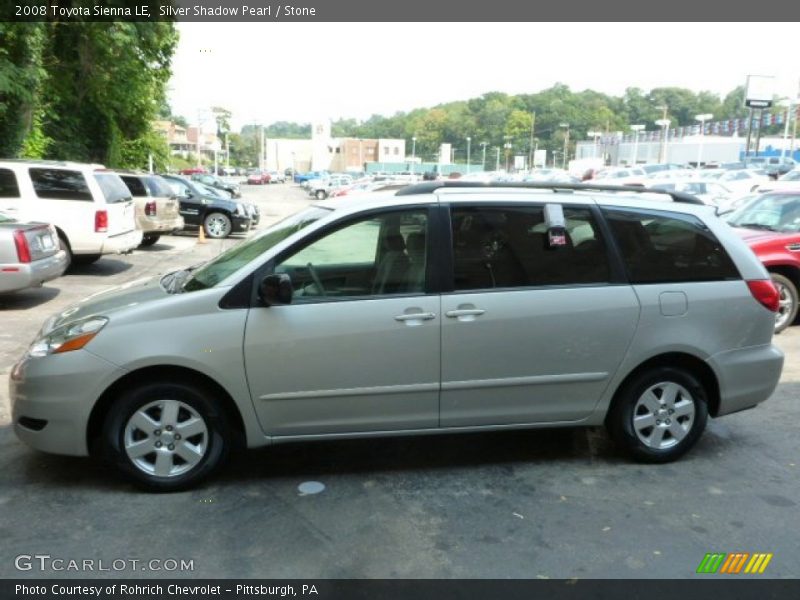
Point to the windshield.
(233, 259)
(773, 212)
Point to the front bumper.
(240, 223)
(159, 224)
(122, 243)
(746, 376)
(52, 398)
(21, 276)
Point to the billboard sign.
(759, 91)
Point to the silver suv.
(439, 308)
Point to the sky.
(267, 72)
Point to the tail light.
(23, 250)
(765, 292)
(150, 209)
(101, 221)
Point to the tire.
(320, 195)
(85, 259)
(788, 298)
(648, 395)
(217, 225)
(148, 239)
(63, 244)
(137, 438)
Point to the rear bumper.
(159, 224)
(122, 243)
(746, 376)
(20, 276)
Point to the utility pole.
(530, 145)
(497, 166)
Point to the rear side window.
(664, 248)
(135, 185)
(113, 189)
(506, 247)
(158, 187)
(8, 184)
(60, 184)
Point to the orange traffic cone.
(201, 235)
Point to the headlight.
(72, 336)
(240, 208)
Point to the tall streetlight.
(483, 160)
(787, 103)
(469, 139)
(566, 144)
(702, 118)
(636, 129)
(413, 153)
(497, 164)
(594, 135)
(664, 124)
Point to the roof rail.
(428, 187)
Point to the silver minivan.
(444, 307)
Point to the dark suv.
(199, 206)
(216, 182)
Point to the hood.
(757, 236)
(110, 301)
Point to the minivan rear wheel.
(166, 436)
(659, 414)
(787, 301)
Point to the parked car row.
(54, 214)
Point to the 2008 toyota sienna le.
(440, 308)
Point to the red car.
(770, 224)
(192, 171)
(258, 178)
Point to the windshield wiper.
(756, 226)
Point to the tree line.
(505, 121)
(85, 91)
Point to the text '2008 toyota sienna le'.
(440, 308)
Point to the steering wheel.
(317, 281)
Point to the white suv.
(92, 210)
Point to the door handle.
(420, 316)
(465, 312)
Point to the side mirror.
(276, 289)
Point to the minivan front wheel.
(659, 415)
(166, 436)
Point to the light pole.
(566, 145)
(497, 164)
(413, 153)
(507, 147)
(469, 139)
(483, 160)
(702, 118)
(636, 129)
(664, 124)
(787, 102)
(594, 135)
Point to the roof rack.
(428, 187)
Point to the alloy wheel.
(663, 415)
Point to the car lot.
(536, 504)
